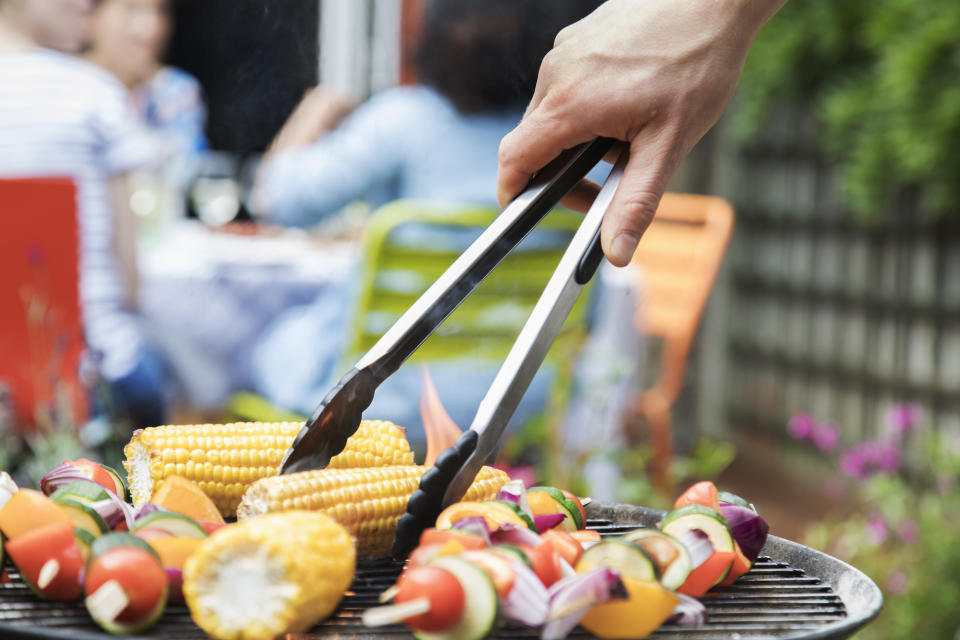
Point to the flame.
(442, 432)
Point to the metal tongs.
(338, 415)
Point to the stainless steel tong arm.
(539, 332)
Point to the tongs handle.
(486, 252)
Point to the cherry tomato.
(545, 562)
(468, 540)
(563, 544)
(95, 472)
(575, 500)
(496, 566)
(55, 541)
(138, 572)
(423, 555)
(704, 493)
(441, 588)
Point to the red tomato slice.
(442, 536)
(707, 574)
(545, 562)
(32, 550)
(585, 535)
(140, 575)
(575, 500)
(440, 587)
(704, 493)
(496, 566)
(563, 544)
(95, 472)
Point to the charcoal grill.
(791, 592)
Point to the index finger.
(529, 147)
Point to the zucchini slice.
(83, 516)
(673, 570)
(481, 606)
(624, 557)
(80, 491)
(697, 516)
(176, 524)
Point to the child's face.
(58, 24)
(131, 34)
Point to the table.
(207, 295)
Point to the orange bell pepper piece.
(712, 571)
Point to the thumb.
(645, 177)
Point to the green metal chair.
(409, 243)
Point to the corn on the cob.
(269, 576)
(368, 502)
(224, 459)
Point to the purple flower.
(854, 464)
(888, 458)
(909, 531)
(904, 417)
(871, 457)
(876, 531)
(801, 426)
(825, 436)
(896, 582)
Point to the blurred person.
(477, 64)
(61, 116)
(656, 74)
(128, 38)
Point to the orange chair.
(41, 330)
(679, 257)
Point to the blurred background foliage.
(880, 77)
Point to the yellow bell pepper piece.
(638, 616)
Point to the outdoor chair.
(41, 329)
(679, 257)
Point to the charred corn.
(269, 576)
(225, 459)
(368, 502)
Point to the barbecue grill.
(791, 592)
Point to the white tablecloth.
(207, 295)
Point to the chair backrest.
(41, 330)
(680, 255)
(408, 245)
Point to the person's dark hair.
(484, 55)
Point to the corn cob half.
(225, 459)
(368, 502)
(269, 576)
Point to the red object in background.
(41, 330)
(411, 26)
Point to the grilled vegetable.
(178, 494)
(125, 583)
(176, 524)
(83, 516)
(50, 561)
(225, 459)
(368, 502)
(495, 512)
(276, 574)
(83, 469)
(442, 591)
(669, 555)
(29, 509)
(173, 554)
(546, 500)
(7, 488)
(647, 606)
(624, 557)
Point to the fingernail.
(623, 247)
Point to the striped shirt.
(61, 116)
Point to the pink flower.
(526, 473)
(876, 530)
(896, 582)
(825, 436)
(904, 417)
(909, 531)
(801, 426)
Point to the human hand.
(320, 111)
(654, 73)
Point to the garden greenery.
(883, 80)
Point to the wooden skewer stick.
(389, 594)
(379, 616)
(48, 572)
(106, 603)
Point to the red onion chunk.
(572, 597)
(113, 511)
(476, 525)
(528, 601)
(698, 544)
(175, 585)
(509, 533)
(747, 527)
(689, 612)
(64, 474)
(516, 492)
(146, 509)
(547, 521)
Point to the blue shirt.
(405, 142)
